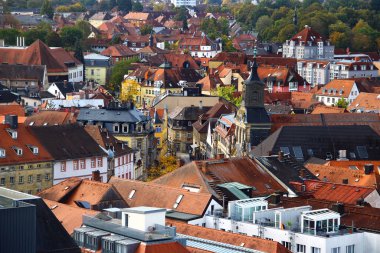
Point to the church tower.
(252, 120)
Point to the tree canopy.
(118, 71)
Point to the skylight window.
(177, 201)
(2, 152)
(12, 133)
(31, 123)
(17, 150)
(131, 194)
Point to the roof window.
(34, 149)
(177, 201)
(12, 133)
(2, 153)
(17, 150)
(131, 194)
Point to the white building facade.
(81, 168)
(179, 3)
(299, 229)
(123, 166)
(330, 94)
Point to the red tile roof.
(322, 109)
(242, 170)
(50, 118)
(308, 34)
(69, 216)
(37, 54)
(337, 85)
(343, 193)
(118, 51)
(25, 140)
(13, 109)
(162, 247)
(158, 195)
(229, 238)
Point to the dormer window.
(12, 133)
(18, 150)
(34, 149)
(131, 194)
(2, 153)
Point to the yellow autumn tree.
(130, 89)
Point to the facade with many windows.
(25, 165)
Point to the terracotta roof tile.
(308, 35)
(348, 194)
(50, 118)
(69, 216)
(242, 170)
(118, 51)
(161, 247)
(322, 109)
(13, 109)
(342, 88)
(158, 195)
(335, 174)
(228, 238)
(365, 102)
(137, 16)
(25, 140)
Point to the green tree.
(137, 6)
(47, 9)
(124, 5)
(34, 34)
(146, 29)
(70, 35)
(84, 27)
(117, 73)
(9, 35)
(53, 40)
(262, 24)
(78, 51)
(342, 103)
(165, 165)
(228, 93)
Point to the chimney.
(338, 207)
(368, 169)
(65, 83)
(360, 202)
(345, 181)
(96, 176)
(200, 105)
(12, 120)
(274, 199)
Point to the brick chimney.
(96, 176)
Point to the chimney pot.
(96, 176)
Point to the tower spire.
(254, 76)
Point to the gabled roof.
(190, 113)
(206, 174)
(308, 35)
(104, 115)
(118, 51)
(304, 142)
(342, 193)
(75, 190)
(353, 172)
(67, 142)
(215, 112)
(210, 83)
(322, 109)
(238, 240)
(140, 16)
(365, 102)
(12, 109)
(37, 53)
(107, 140)
(24, 140)
(137, 193)
(69, 216)
(50, 118)
(286, 170)
(337, 88)
(101, 16)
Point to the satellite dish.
(151, 228)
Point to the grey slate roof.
(104, 115)
(303, 142)
(22, 72)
